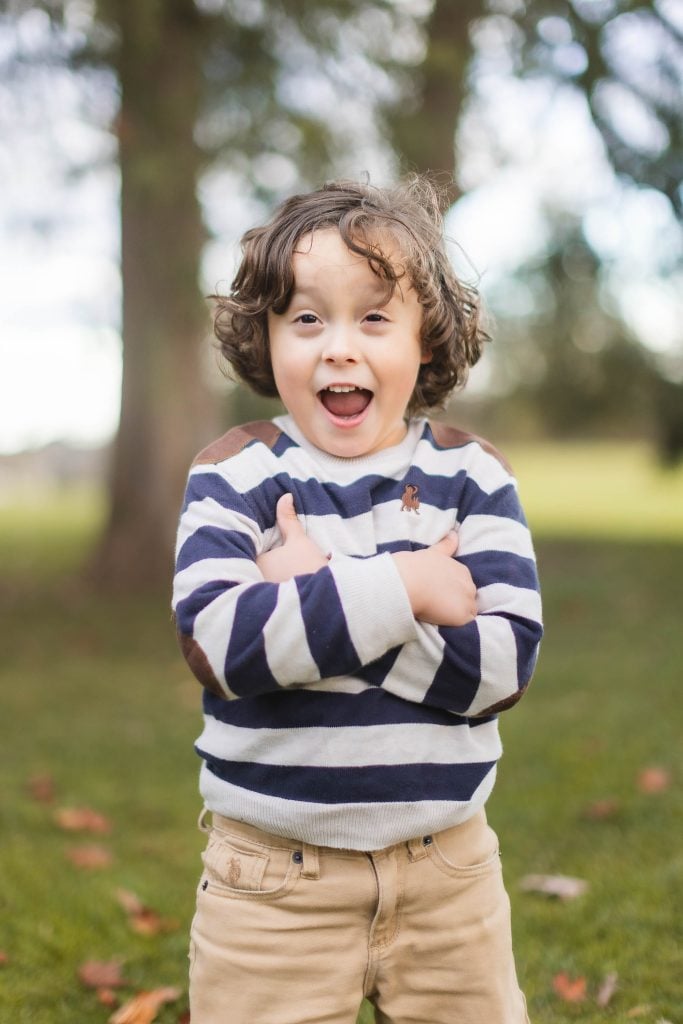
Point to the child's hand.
(441, 590)
(297, 554)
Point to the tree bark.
(424, 134)
(165, 409)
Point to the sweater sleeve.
(483, 667)
(242, 635)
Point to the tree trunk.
(165, 409)
(424, 137)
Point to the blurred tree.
(198, 81)
(570, 358)
(422, 128)
(254, 82)
(624, 56)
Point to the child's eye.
(376, 318)
(306, 318)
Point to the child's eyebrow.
(378, 294)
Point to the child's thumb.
(448, 545)
(286, 516)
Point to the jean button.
(427, 841)
(298, 857)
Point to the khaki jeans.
(287, 933)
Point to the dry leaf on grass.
(561, 886)
(639, 1011)
(41, 788)
(107, 997)
(131, 903)
(143, 919)
(601, 810)
(4, 959)
(90, 857)
(101, 974)
(654, 780)
(607, 989)
(571, 990)
(143, 1008)
(82, 819)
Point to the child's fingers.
(448, 545)
(286, 517)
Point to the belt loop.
(311, 868)
(416, 848)
(202, 823)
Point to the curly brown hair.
(409, 215)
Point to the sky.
(60, 350)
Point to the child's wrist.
(404, 563)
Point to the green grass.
(95, 694)
(600, 490)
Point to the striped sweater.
(330, 714)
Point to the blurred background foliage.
(195, 100)
(200, 114)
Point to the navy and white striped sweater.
(330, 714)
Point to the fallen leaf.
(184, 1018)
(654, 780)
(107, 997)
(101, 974)
(143, 1008)
(607, 989)
(568, 989)
(143, 919)
(151, 923)
(639, 1011)
(4, 959)
(600, 810)
(131, 903)
(562, 886)
(82, 819)
(41, 788)
(90, 857)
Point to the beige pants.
(287, 933)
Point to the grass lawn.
(95, 696)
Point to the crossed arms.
(443, 635)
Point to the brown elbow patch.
(502, 705)
(199, 663)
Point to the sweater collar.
(384, 462)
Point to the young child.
(356, 591)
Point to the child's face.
(345, 359)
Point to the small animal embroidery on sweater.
(409, 499)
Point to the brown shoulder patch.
(450, 437)
(236, 439)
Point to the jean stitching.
(253, 842)
(257, 895)
(461, 871)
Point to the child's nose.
(340, 346)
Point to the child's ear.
(426, 357)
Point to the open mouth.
(345, 401)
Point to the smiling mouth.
(345, 400)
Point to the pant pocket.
(465, 851)
(239, 868)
